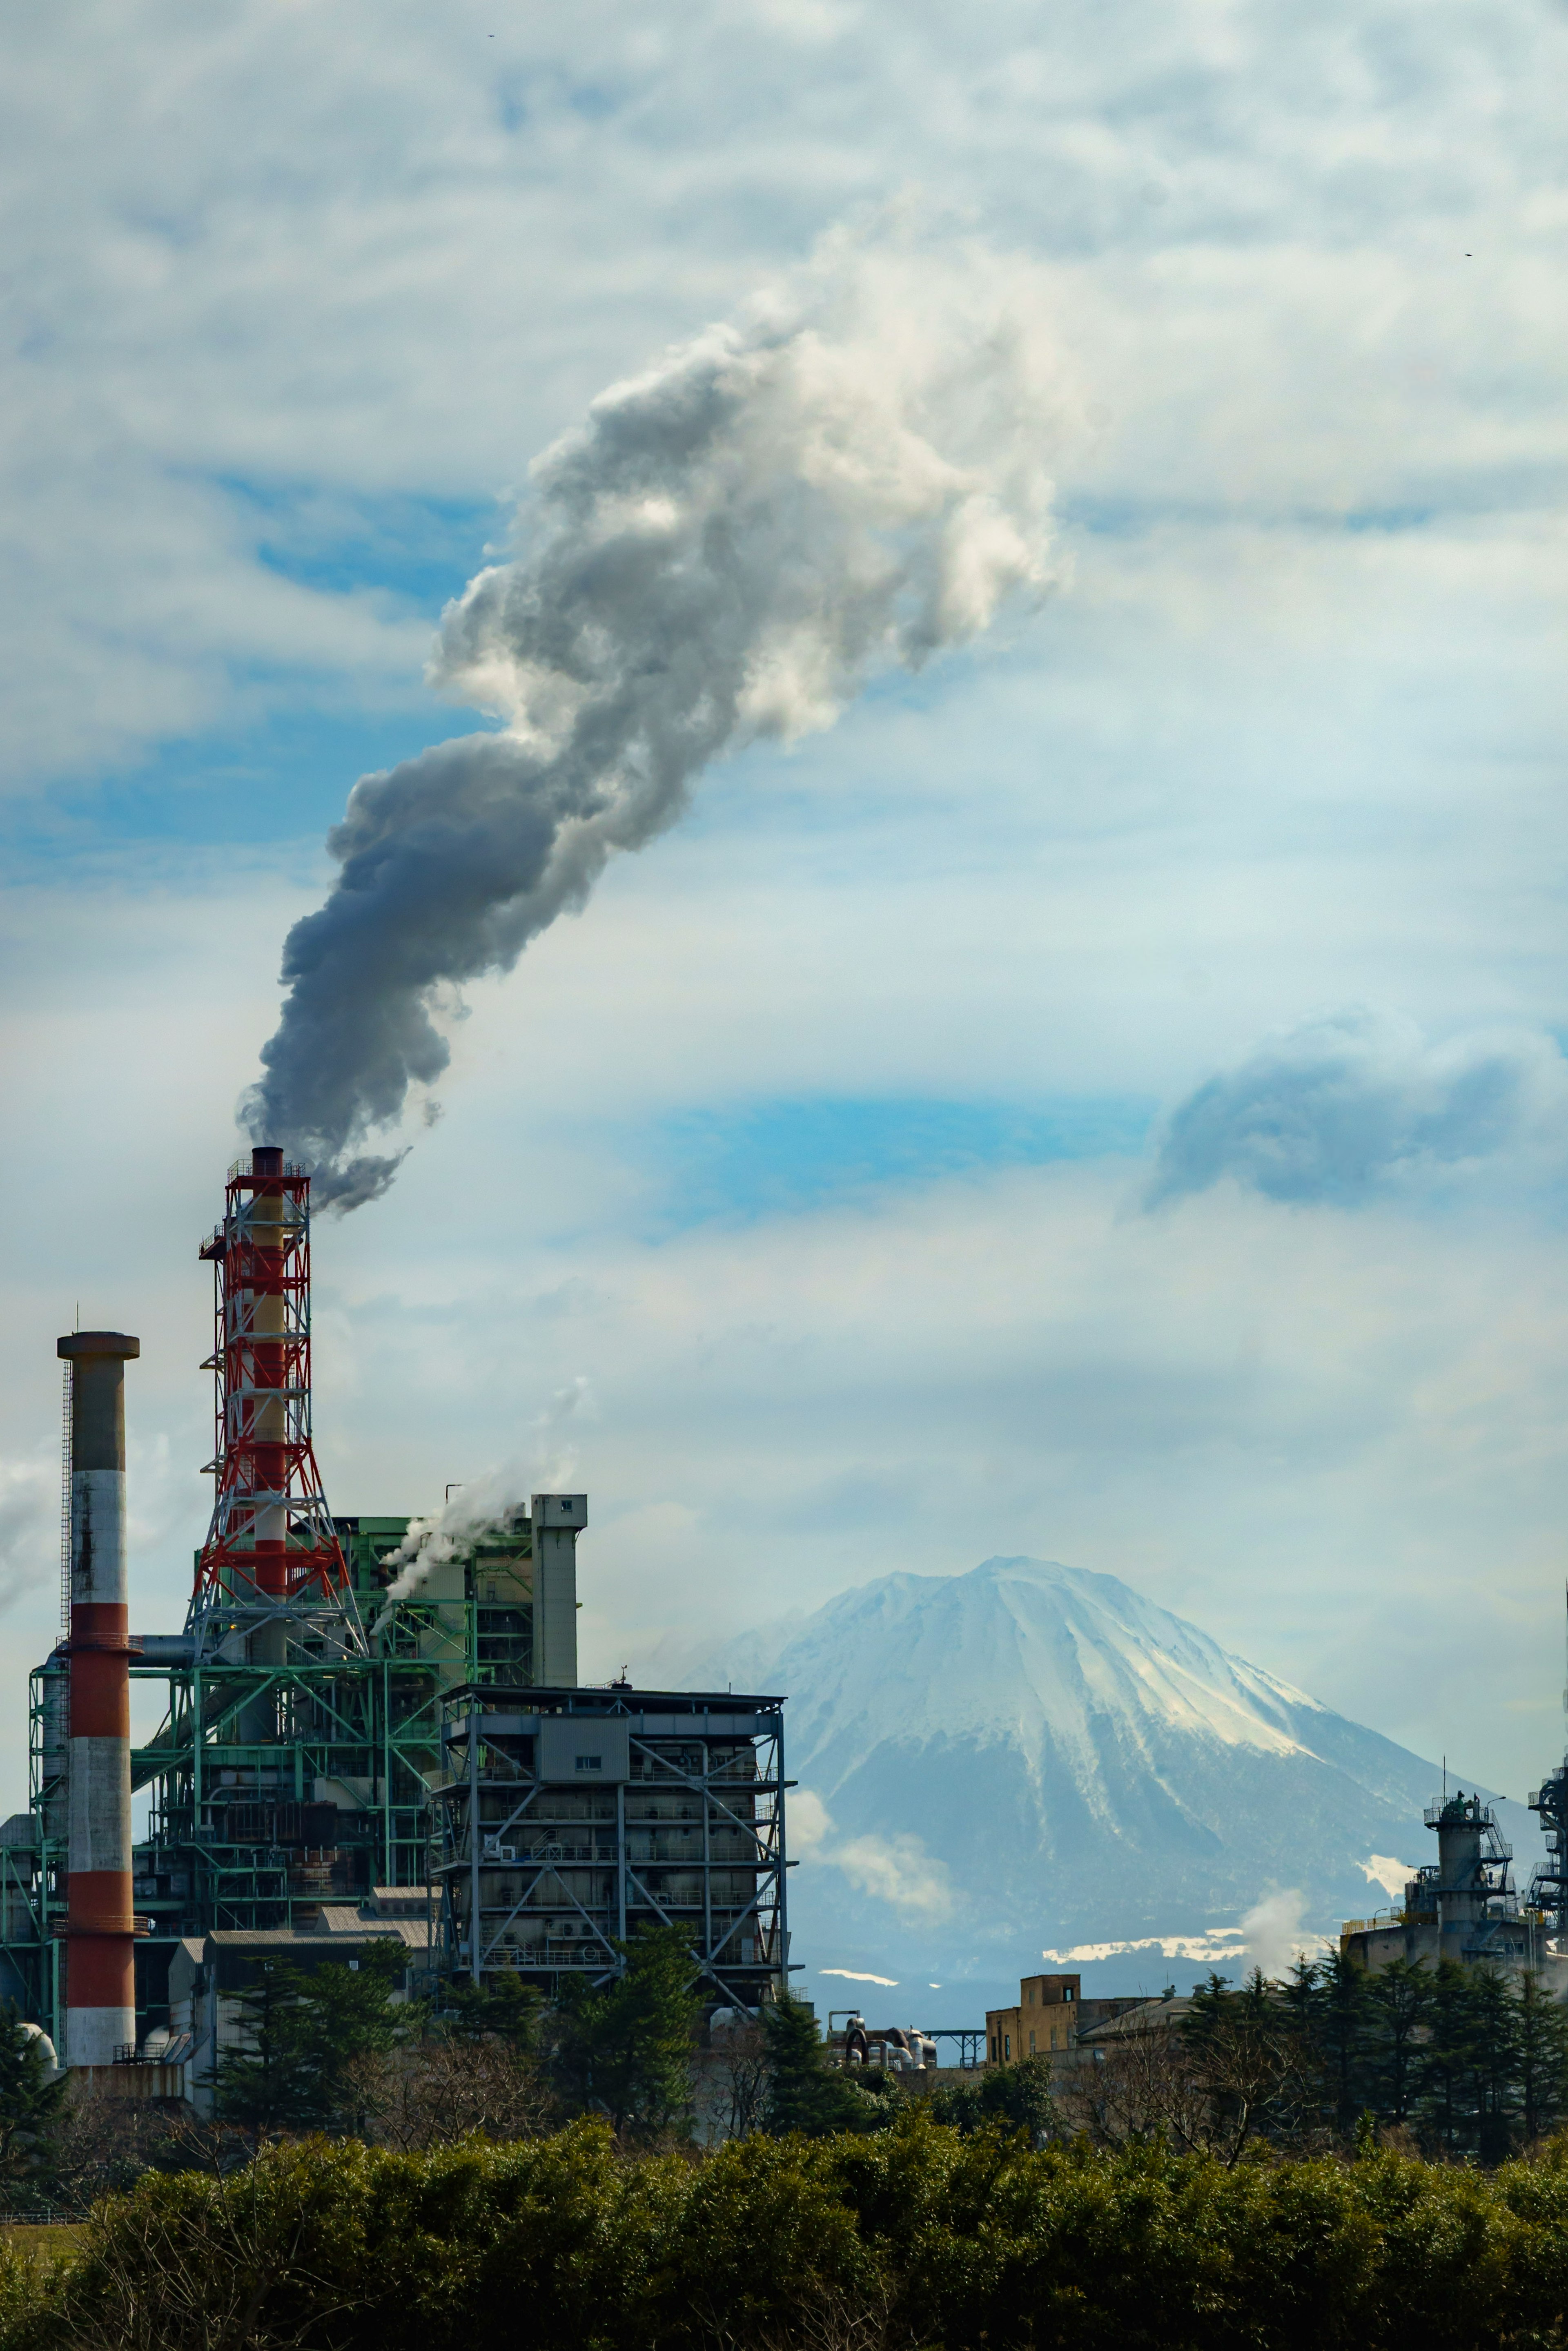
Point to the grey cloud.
(29, 1522)
(850, 477)
(1341, 1106)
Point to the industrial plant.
(1464, 1906)
(355, 1742)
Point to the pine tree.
(30, 2102)
(344, 2015)
(1339, 2020)
(1397, 1997)
(303, 2034)
(804, 2092)
(505, 2008)
(1540, 2043)
(1446, 2097)
(627, 2050)
(1494, 2025)
(258, 2081)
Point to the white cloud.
(856, 1975)
(1385, 1870)
(810, 1824)
(343, 252)
(897, 1870)
(1211, 1946)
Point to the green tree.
(1338, 2026)
(804, 2092)
(345, 2016)
(1244, 2051)
(31, 2101)
(1018, 2094)
(304, 2035)
(1494, 2025)
(1541, 2027)
(502, 2009)
(258, 2082)
(1397, 1997)
(625, 2049)
(1447, 2101)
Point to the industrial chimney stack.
(101, 1975)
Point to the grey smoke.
(1342, 1106)
(852, 476)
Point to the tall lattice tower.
(272, 1555)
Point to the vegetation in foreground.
(919, 2235)
(1326, 2160)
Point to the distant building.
(1051, 2018)
(209, 1974)
(1461, 1908)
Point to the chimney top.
(97, 1342)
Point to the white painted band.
(95, 2035)
(98, 1805)
(98, 1535)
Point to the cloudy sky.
(1102, 1097)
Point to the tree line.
(1455, 2062)
(916, 2236)
(1452, 2062)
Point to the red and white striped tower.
(100, 1973)
(272, 1546)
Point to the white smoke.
(852, 475)
(1277, 1934)
(894, 1869)
(496, 1503)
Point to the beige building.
(1050, 2018)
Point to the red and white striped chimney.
(101, 1975)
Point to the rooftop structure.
(570, 1818)
(1463, 1907)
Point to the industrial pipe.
(100, 1974)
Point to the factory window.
(590, 1762)
(1031, 2043)
(1007, 2044)
(1030, 1990)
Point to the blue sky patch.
(770, 1158)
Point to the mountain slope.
(1031, 1758)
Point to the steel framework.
(272, 1532)
(542, 1868)
(274, 1788)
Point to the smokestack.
(559, 1520)
(101, 1975)
(271, 1540)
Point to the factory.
(1464, 1906)
(345, 1753)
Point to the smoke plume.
(851, 476)
(496, 1503)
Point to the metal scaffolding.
(567, 1824)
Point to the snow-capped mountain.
(1031, 1758)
